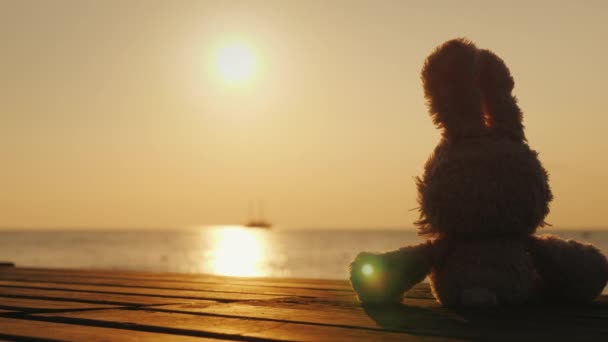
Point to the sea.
(219, 250)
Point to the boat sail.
(257, 221)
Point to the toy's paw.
(372, 277)
(383, 278)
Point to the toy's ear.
(502, 115)
(451, 87)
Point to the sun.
(235, 63)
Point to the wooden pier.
(53, 304)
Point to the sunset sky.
(122, 113)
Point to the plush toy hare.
(482, 196)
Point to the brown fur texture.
(482, 196)
(572, 271)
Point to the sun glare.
(238, 251)
(235, 63)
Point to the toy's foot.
(572, 271)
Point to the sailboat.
(259, 221)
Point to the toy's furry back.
(482, 179)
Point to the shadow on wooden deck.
(573, 323)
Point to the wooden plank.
(338, 285)
(94, 297)
(242, 287)
(173, 285)
(422, 291)
(179, 294)
(28, 330)
(25, 304)
(319, 311)
(263, 329)
(271, 311)
(193, 277)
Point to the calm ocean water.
(233, 251)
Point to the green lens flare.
(367, 269)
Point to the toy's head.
(482, 179)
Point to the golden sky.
(114, 116)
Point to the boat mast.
(251, 211)
(261, 210)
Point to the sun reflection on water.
(238, 251)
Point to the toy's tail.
(469, 92)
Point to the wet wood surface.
(75, 305)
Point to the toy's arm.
(383, 278)
(571, 270)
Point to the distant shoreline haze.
(225, 250)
